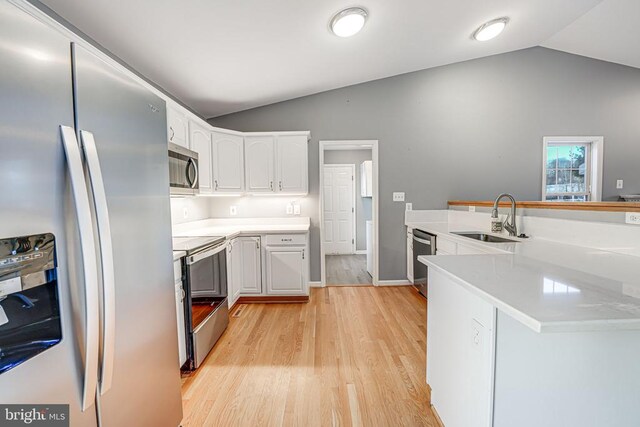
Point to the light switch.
(296, 209)
(472, 208)
(289, 209)
(408, 206)
(398, 196)
(619, 184)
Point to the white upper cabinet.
(277, 163)
(227, 163)
(259, 164)
(292, 164)
(177, 127)
(200, 142)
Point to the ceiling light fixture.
(348, 22)
(490, 29)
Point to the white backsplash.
(195, 208)
(618, 238)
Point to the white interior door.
(339, 209)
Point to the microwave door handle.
(106, 254)
(89, 262)
(191, 165)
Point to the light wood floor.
(351, 356)
(347, 270)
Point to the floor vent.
(239, 311)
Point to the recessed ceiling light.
(348, 22)
(490, 29)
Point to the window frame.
(594, 162)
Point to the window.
(572, 170)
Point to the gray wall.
(466, 131)
(363, 204)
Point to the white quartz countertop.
(231, 228)
(547, 285)
(545, 296)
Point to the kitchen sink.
(476, 235)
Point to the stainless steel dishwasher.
(423, 244)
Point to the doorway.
(348, 212)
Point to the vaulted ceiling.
(222, 56)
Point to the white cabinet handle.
(106, 255)
(303, 254)
(90, 268)
(173, 133)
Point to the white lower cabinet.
(250, 261)
(286, 266)
(234, 272)
(286, 270)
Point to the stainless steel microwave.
(183, 171)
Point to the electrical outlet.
(632, 218)
(296, 209)
(289, 209)
(619, 184)
(185, 213)
(409, 206)
(398, 197)
(233, 210)
(472, 208)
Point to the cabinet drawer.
(445, 245)
(177, 271)
(286, 239)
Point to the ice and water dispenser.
(29, 301)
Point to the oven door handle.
(206, 254)
(426, 242)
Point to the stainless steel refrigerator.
(83, 158)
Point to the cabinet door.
(228, 163)
(200, 141)
(177, 128)
(251, 265)
(259, 164)
(286, 272)
(410, 254)
(234, 271)
(292, 164)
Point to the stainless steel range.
(206, 308)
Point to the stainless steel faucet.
(509, 226)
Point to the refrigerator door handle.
(106, 255)
(89, 262)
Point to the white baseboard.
(361, 252)
(394, 283)
(315, 285)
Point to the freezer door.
(36, 99)
(128, 125)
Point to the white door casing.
(339, 209)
